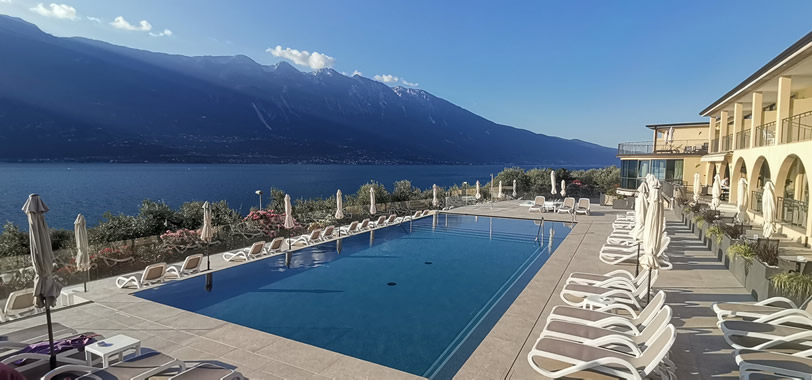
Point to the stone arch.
(739, 172)
(791, 183)
(759, 173)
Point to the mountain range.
(85, 100)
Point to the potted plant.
(739, 260)
(793, 285)
(763, 269)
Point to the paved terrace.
(697, 280)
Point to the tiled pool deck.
(696, 281)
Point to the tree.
(362, 196)
(13, 242)
(404, 191)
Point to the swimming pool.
(418, 297)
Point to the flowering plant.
(268, 221)
(181, 240)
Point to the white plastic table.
(551, 205)
(109, 347)
(593, 302)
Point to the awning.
(718, 157)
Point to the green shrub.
(699, 220)
(715, 232)
(13, 241)
(741, 249)
(795, 285)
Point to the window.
(633, 172)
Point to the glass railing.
(765, 134)
(698, 147)
(797, 128)
(726, 143)
(714, 146)
(743, 139)
(793, 211)
(755, 200)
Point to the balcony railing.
(743, 139)
(714, 146)
(793, 211)
(676, 147)
(755, 200)
(726, 143)
(797, 128)
(765, 134)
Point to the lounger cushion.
(39, 332)
(578, 351)
(133, 367)
(769, 359)
(553, 365)
(748, 308)
(204, 372)
(582, 331)
(582, 314)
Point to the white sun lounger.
(152, 274)
(378, 223)
(416, 215)
(352, 227)
(605, 317)
(140, 367)
(764, 311)
(538, 204)
(555, 358)
(595, 279)
(593, 336)
(616, 256)
(257, 249)
(190, 266)
(328, 232)
(307, 239)
(619, 291)
(275, 246)
(753, 363)
(749, 335)
(208, 371)
(568, 206)
(583, 206)
(19, 304)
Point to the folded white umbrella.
(640, 209)
(563, 188)
(716, 192)
(671, 134)
(339, 205)
(434, 201)
(46, 287)
(82, 250)
(478, 195)
(514, 188)
(288, 213)
(552, 182)
(653, 233)
(207, 232)
(372, 209)
(742, 197)
(768, 209)
(697, 187)
(500, 190)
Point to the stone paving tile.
(301, 355)
(245, 338)
(286, 371)
(347, 368)
(210, 346)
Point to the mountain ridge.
(86, 100)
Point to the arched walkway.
(792, 192)
(759, 174)
(739, 172)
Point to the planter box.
(738, 267)
(758, 280)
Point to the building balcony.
(670, 148)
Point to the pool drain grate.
(391, 283)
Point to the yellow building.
(673, 154)
(761, 130)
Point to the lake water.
(92, 189)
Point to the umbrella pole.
(637, 265)
(50, 334)
(648, 289)
(87, 278)
(208, 257)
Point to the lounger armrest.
(619, 306)
(617, 340)
(777, 301)
(67, 369)
(575, 368)
(620, 273)
(796, 316)
(617, 283)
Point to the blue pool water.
(417, 297)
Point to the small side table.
(593, 302)
(115, 345)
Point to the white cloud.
(314, 60)
(94, 19)
(5, 1)
(61, 11)
(166, 32)
(356, 72)
(121, 23)
(386, 78)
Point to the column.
(757, 117)
(711, 133)
(738, 119)
(722, 129)
(782, 107)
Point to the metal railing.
(697, 147)
(726, 143)
(743, 139)
(793, 211)
(765, 134)
(755, 202)
(797, 128)
(714, 146)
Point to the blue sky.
(592, 70)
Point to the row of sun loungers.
(156, 273)
(568, 206)
(772, 338)
(622, 247)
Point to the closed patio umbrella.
(500, 190)
(552, 182)
(372, 209)
(768, 209)
(640, 209)
(288, 217)
(697, 187)
(716, 192)
(207, 232)
(653, 233)
(563, 188)
(514, 188)
(671, 135)
(742, 198)
(434, 201)
(46, 288)
(339, 205)
(82, 250)
(478, 195)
